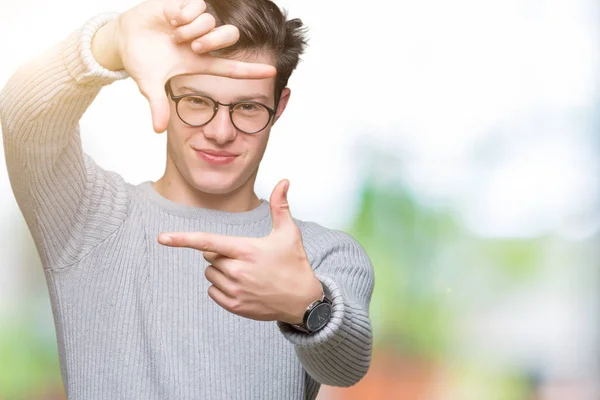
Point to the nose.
(220, 129)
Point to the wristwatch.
(317, 314)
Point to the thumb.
(159, 105)
(280, 208)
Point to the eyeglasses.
(198, 110)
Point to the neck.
(178, 190)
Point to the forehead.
(228, 89)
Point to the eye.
(196, 101)
(249, 107)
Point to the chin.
(217, 184)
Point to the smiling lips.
(216, 157)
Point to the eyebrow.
(253, 96)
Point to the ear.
(283, 100)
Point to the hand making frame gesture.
(265, 279)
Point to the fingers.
(211, 65)
(280, 207)
(191, 11)
(181, 12)
(235, 69)
(171, 11)
(159, 104)
(220, 298)
(210, 256)
(192, 23)
(219, 38)
(159, 108)
(218, 279)
(228, 246)
(197, 28)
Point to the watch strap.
(325, 298)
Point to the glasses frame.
(231, 106)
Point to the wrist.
(105, 46)
(314, 293)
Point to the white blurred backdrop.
(490, 108)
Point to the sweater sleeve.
(340, 353)
(69, 203)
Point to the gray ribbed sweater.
(133, 317)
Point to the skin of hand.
(159, 39)
(265, 279)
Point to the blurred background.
(456, 141)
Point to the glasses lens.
(196, 110)
(250, 117)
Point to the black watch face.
(318, 317)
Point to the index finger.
(236, 69)
(227, 246)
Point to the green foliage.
(29, 360)
(519, 259)
(421, 255)
(402, 239)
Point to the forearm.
(40, 109)
(340, 353)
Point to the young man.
(190, 287)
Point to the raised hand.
(159, 39)
(265, 279)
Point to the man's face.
(191, 150)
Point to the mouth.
(216, 157)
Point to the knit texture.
(133, 318)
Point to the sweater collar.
(184, 210)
